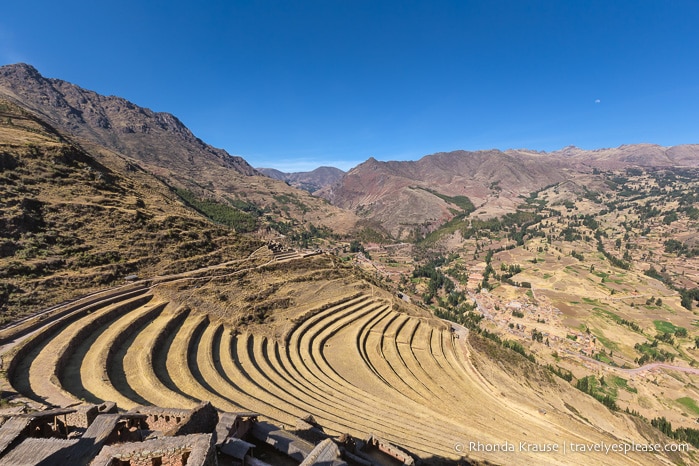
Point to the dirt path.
(636, 370)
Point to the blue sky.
(299, 84)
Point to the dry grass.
(71, 223)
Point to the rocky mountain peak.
(113, 122)
(20, 69)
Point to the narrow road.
(637, 370)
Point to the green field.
(622, 383)
(664, 326)
(604, 340)
(689, 404)
(605, 313)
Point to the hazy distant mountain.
(310, 181)
(403, 197)
(628, 155)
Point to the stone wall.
(201, 419)
(190, 450)
(84, 415)
(163, 419)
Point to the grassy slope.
(70, 224)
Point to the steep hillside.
(409, 199)
(412, 198)
(160, 144)
(70, 224)
(115, 123)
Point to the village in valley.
(590, 284)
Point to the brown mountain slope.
(70, 223)
(163, 146)
(113, 122)
(415, 197)
(405, 196)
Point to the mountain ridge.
(160, 143)
(108, 120)
(495, 181)
(400, 198)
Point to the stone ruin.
(100, 435)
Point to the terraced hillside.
(331, 345)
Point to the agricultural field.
(596, 284)
(323, 339)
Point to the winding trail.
(636, 370)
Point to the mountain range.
(161, 145)
(398, 198)
(402, 197)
